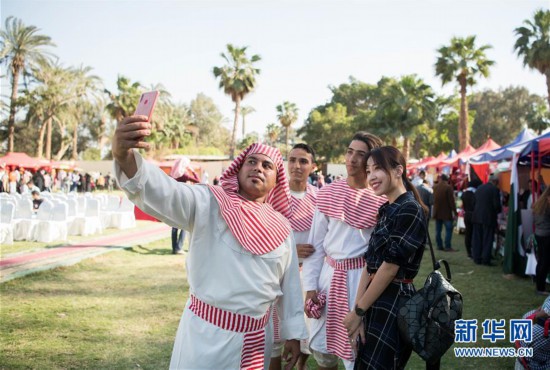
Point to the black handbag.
(426, 320)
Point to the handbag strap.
(436, 264)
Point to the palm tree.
(272, 132)
(464, 62)
(533, 44)
(48, 101)
(237, 79)
(404, 106)
(86, 88)
(124, 104)
(21, 47)
(245, 111)
(288, 114)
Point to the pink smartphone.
(147, 104)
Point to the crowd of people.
(268, 245)
(484, 209)
(15, 179)
(359, 241)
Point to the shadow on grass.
(53, 246)
(140, 249)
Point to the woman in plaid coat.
(393, 258)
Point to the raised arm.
(130, 134)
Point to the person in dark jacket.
(468, 204)
(426, 194)
(444, 212)
(486, 209)
(38, 179)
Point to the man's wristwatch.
(359, 311)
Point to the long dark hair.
(388, 158)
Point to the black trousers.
(482, 243)
(543, 261)
(468, 235)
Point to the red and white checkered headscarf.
(356, 207)
(259, 227)
(303, 210)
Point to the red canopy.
(486, 147)
(435, 161)
(470, 152)
(420, 163)
(466, 153)
(23, 160)
(544, 146)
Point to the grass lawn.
(120, 310)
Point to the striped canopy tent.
(487, 146)
(454, 161)
(482, 170)
(420, 163)
(539, 146)
(434, 162)
(534, 153)
(506, 151)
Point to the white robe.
(220, 271)
(334, 238)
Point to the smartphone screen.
(147, 104)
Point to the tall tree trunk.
(244, 127)
(547, 73)
(234, 134)
(463, 129)
(406, 148)
(40, 151)
(101, 134)
(49, 138)
(75, 143)
(11, 118)
(394, 141)
(286, 141)
(62, 151)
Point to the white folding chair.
(124, 217)
(24, 221)
(90, 222)
(7, 212)
(52, 223)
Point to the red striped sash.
(302, 210)
(225, 319)
(356, 207)
(338, 306)
(252, 354)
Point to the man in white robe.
(344, 218)
(241, 256)
(300, 164)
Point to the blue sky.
(305, 45)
